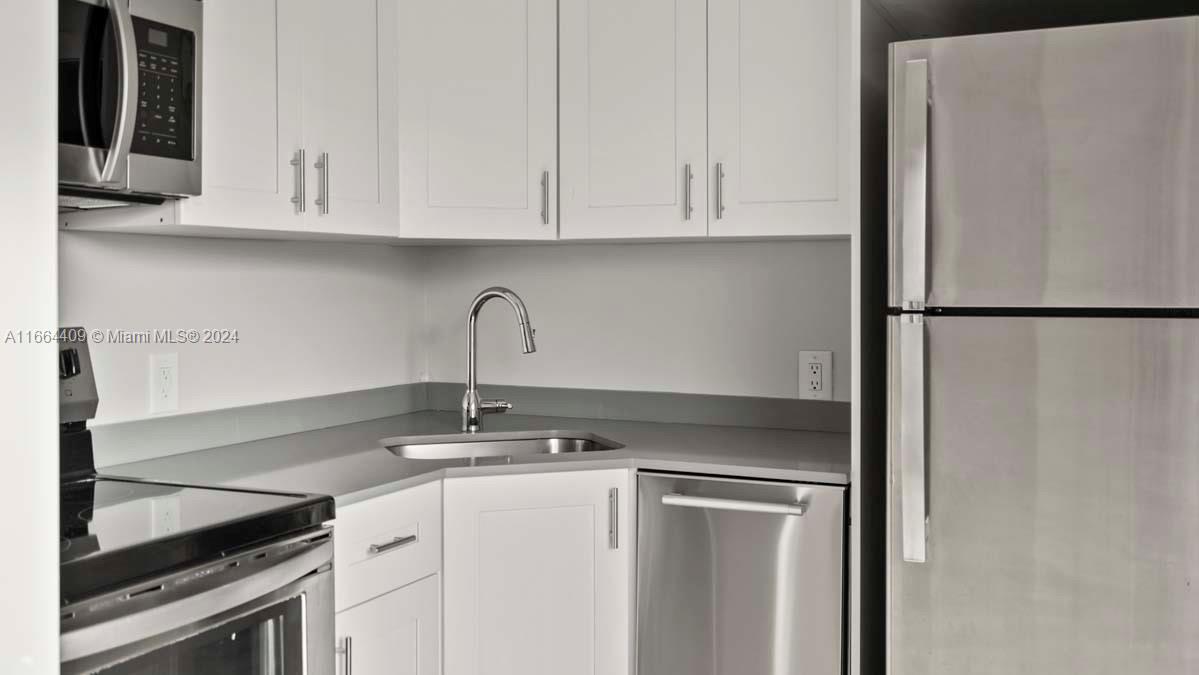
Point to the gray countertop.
(348, 463)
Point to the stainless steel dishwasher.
(739, 577)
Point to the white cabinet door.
(250, 116)
(478, 119)
(533, 583)
(349, 112)
(398, 633)
(633, 118)
(781, 106)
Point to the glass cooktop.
(116, 530)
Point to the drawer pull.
(393, 544)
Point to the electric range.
(168, 577)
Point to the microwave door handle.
(122, 138)
(914, 177)
(197, 610)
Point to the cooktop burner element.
(115, 530)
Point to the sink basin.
(496, 444)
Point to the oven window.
(267, 642)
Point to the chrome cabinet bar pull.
(674, 499)
(719, 190)
(613, 517)
(347, 653)
(914, 168)
(127, 92)
(322, 198)
(687, 179)
(394, 543)
(300, 199)
(912, 441)
(545, 197)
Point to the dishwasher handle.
(675, 499)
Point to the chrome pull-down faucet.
(473, 408)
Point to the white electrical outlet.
(164, 383)
(816, 375)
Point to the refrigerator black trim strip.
(1064, 312)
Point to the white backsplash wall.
(709, 318)
(312, 318)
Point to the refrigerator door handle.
(914, 176)
(912, 442)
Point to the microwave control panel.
(166, 61)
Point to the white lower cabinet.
(397, 633)
(538, 573)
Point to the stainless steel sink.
(496, 444)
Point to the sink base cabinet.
(397, 633)
(535, 582)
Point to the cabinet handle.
(613, 517)
(347, 653)
(322, 199)
(394, 543)
(545, 197)
(299, 198)
(688, 177)
(719, 190)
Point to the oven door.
(275, 620)
(97, 92)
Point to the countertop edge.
(832, 477)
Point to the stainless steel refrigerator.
(1043, 357)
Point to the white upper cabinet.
(250, 115)
(478, 119)
(536, 580)
(633, 118)
(279, 78)
(782, 109)
(349, 112)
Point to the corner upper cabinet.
(478, 119)
(633, 118)
(782, 108)
(536, 583)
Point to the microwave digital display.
(158, 38)
(166, 90)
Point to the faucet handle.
(494, 405)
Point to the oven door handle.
(122, 138)
(191, 610)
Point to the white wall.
(318, 318)
(313, 318)
(709, 318)
(29, 397)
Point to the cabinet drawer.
(384, 543)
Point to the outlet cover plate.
(816, 375)
(164, 383)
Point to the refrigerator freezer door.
(1062, 169)
(1062, 492)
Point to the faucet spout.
(473, 408)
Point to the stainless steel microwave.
(128, 101)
